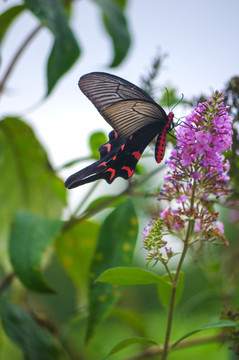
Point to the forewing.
(106, 89)
(123, 105)
(128, 116)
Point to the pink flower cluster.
(198, 173)
(202, 138)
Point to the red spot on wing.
(129, 171)
(102, 164)
(131, 137)
(116, 134)
(137, 155)
(112, 173)
(122, 147)
(114, 157)
(108, 147)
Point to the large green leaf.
(117, 239)
(34, 343)
(130, 276)
(75, 248)
(117, 28)
(30, 236)
(8, 17)
(65, 50)
(27, 180)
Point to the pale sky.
(200, 38)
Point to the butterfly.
(136, 119)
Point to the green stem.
(92, 189)
(17, 55)
(175, 281)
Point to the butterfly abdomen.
(161, 139)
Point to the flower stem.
(175, 281)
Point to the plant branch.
(156, 350)
(175, 282)
(6, 282)
(17, 55)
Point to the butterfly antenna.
(179, 101)
(168, 96)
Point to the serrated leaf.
(29, 182)
(117, 239)
(116, 25)
(216, 325)
(165, 289)
(34, 343)
(7, 18)
(30, 236)
(130, 276)
(65, 50)
(131, 341)
(95, 141)
(75, 248)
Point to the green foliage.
(116, 25)
(165, 287)
(35, 343)
(117, 239)
(30, 236)
(65, 50)
(29, 182)
(75, 248)
(95, 141)
(7, 18)
(130, 341)
(217, 325)
(130, 276)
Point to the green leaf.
(117, 239)
(34, 343)
(7, 18)
(29, 182)
(131, 341)
(75, 248)
(96, 140)
(165, 289)
(30, 236)
(116, 25)
(65, 50)
(121, 3)
(130, 276)
(216, 325)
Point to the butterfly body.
(136, 119)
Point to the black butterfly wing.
(118, 158)
(136, 119)
(126, 107)
(107, 151)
